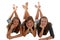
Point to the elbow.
(23, 34)
(9, 37)
(40, 35)
(53, 37)
(34, 35)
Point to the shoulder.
(49, 23)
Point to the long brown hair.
(17, 28)
(46, 28)
(28, 18)
(41, 18)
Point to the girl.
(43, 27)
(28, 26)
(14, 26)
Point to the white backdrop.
(50, 8)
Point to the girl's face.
(44, 22)
(15, 22)
(29, 23)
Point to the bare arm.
(41, 33)
(10, 31)
(51, 32)
(25, 31)
(47, 38)
(9, 34)
(33, 32)
(19, 35)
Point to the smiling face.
(15, 22)
(29, 23)
(44, 22)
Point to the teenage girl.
(14, 26)
(29, 26)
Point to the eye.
(42, 21)
(30, 22)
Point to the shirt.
(47, 28)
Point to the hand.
(42, 26)
(30, 27)
(44, 39)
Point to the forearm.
(49, 37)
(33, 32)
(19, 35)
(10, 37)
(25, 32)
(41, 33)
(9, 34)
